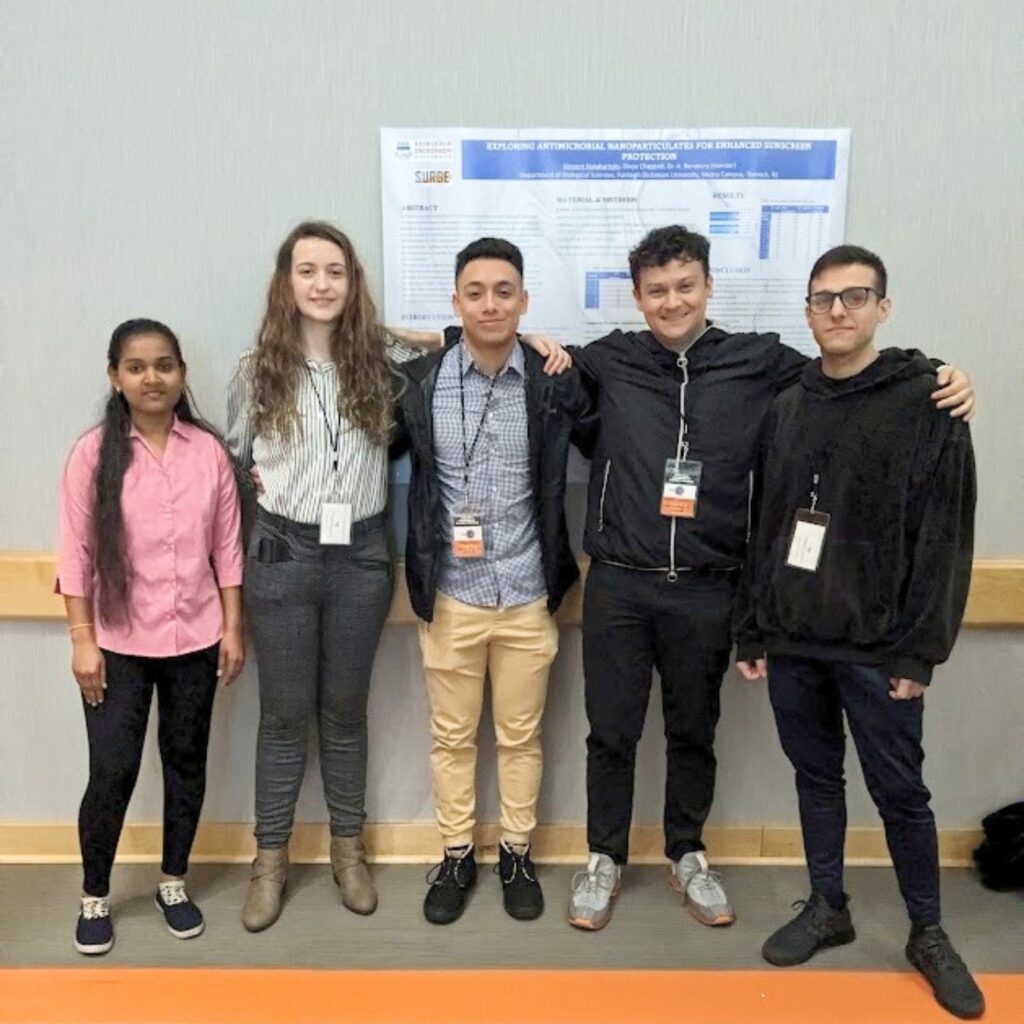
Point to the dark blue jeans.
(809, 697)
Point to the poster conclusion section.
(576, 201)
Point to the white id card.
(467, 536)
(679, 488)
(807, 540)
(336, 523)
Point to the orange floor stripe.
(101, 995)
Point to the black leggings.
(185, 687)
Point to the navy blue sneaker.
(94, 933)
(184, 919)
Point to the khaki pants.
(516, 646)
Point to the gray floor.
(38, 905)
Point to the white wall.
(155, 153)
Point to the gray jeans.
(316, 614)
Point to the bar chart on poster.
(576, 200)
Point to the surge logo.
(433, 177)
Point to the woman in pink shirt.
(150, 567)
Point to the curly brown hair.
(357, 347)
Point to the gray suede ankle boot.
(348, 861)
(266, 888)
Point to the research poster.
(576, 200)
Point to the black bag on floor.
(1000, 858)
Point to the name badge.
(680, 488)
(336, 523)
(809, 530)
(467, 536)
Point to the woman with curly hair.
(310, 411)
(150, 566)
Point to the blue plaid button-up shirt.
(510, 572)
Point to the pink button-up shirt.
(181, 519)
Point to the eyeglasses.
(851, 298)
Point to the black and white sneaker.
(94, 933)
(184, 919)
(450, 884)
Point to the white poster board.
(576, 200)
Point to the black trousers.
(634, 622)
(809, 698)
(185, 687)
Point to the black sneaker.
(183, 917)
(94, 933)
(817, 926)
(520, 889)
(449, 888)
(931, 952)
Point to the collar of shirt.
(316, 365)
(670, 357)
(177, 427)
(516, 361)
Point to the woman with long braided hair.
(150, 567)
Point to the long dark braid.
(115, 455)
(109, 545)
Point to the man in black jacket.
(487, 560)
(679, 409)
(857, 577)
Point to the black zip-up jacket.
(553, 405)
(896, 475)
(636, 382)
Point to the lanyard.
(467, 448)
(333, 436)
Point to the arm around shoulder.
(401, 440)
(788, 367)
(240, 429)
(941, 527)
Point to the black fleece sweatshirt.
(896, 475)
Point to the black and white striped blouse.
(298, 476)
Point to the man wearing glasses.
(856, 580)
(676, 414)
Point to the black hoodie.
(897, 478)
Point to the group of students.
(817, 513)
